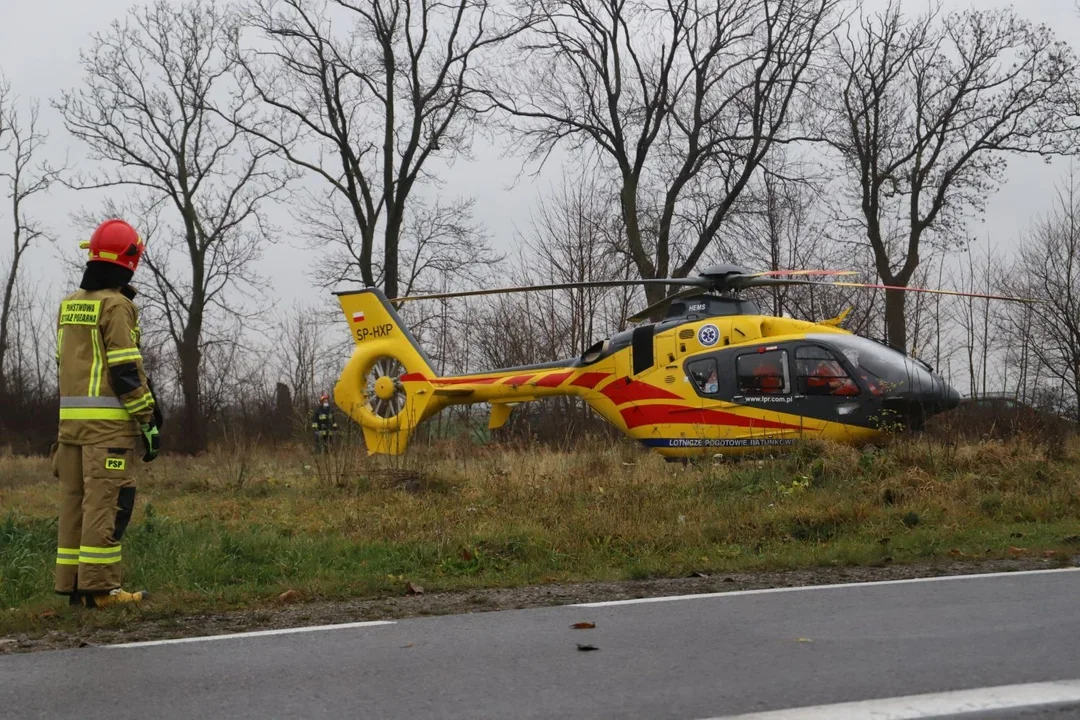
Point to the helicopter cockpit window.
(704, 374)
(763, 373)
(818, 372)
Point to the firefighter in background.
(323, 424)
(106, 405)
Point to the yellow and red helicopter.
(713, 376)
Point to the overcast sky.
(39, 45)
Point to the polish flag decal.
(358, 317)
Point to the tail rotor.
(384, 391)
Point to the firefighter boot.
(114, 597)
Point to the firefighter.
(106, 406)
(323, 425)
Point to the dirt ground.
(411, 604)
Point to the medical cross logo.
(708, 335)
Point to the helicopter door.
(764, 388)
(826, 389)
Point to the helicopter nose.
(938, 396)
(922, 395)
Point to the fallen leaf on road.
(699, 574)
(583, 626)
(406, 646)
(1014, 551)
(957, 553)
(805, 640)
(1049, 553)
(289, 596)
(412, 588)
(586, 648)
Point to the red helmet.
(116, 242)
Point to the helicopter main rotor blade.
(957, 293)
(663, 304)
(772, 282)
(776, 273)
(698, 282)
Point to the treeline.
(771, 133)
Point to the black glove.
(151, 441)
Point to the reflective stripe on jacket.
(322, 421)
(103, 389)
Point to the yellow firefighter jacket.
(103, 389)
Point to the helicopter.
(713, 375)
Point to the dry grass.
(242, 524)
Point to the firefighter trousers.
(97, 496)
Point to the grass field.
(240, 526)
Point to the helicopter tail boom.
(389, 387)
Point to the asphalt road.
(690, 658)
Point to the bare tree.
(781, 221)
(305, 351)
(438, 242)
(971, 316)
(1048, 270)
(923, 113)
(28, 412)
(370, 112)
(159, 108)
(680, 103)
(25, 175)
(34, 325)
(574, 237)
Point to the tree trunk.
(193, 439)
(895, 320)
(192, 436)
(631, 224)
(5, 319)
(390, 261)
(5, 309)
(284, 417)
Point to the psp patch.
(115, 463)
(708, 335)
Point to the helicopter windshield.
(887, 369)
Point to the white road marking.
(800, 588)
(255, 633)
(913, 707)
(608, 603)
